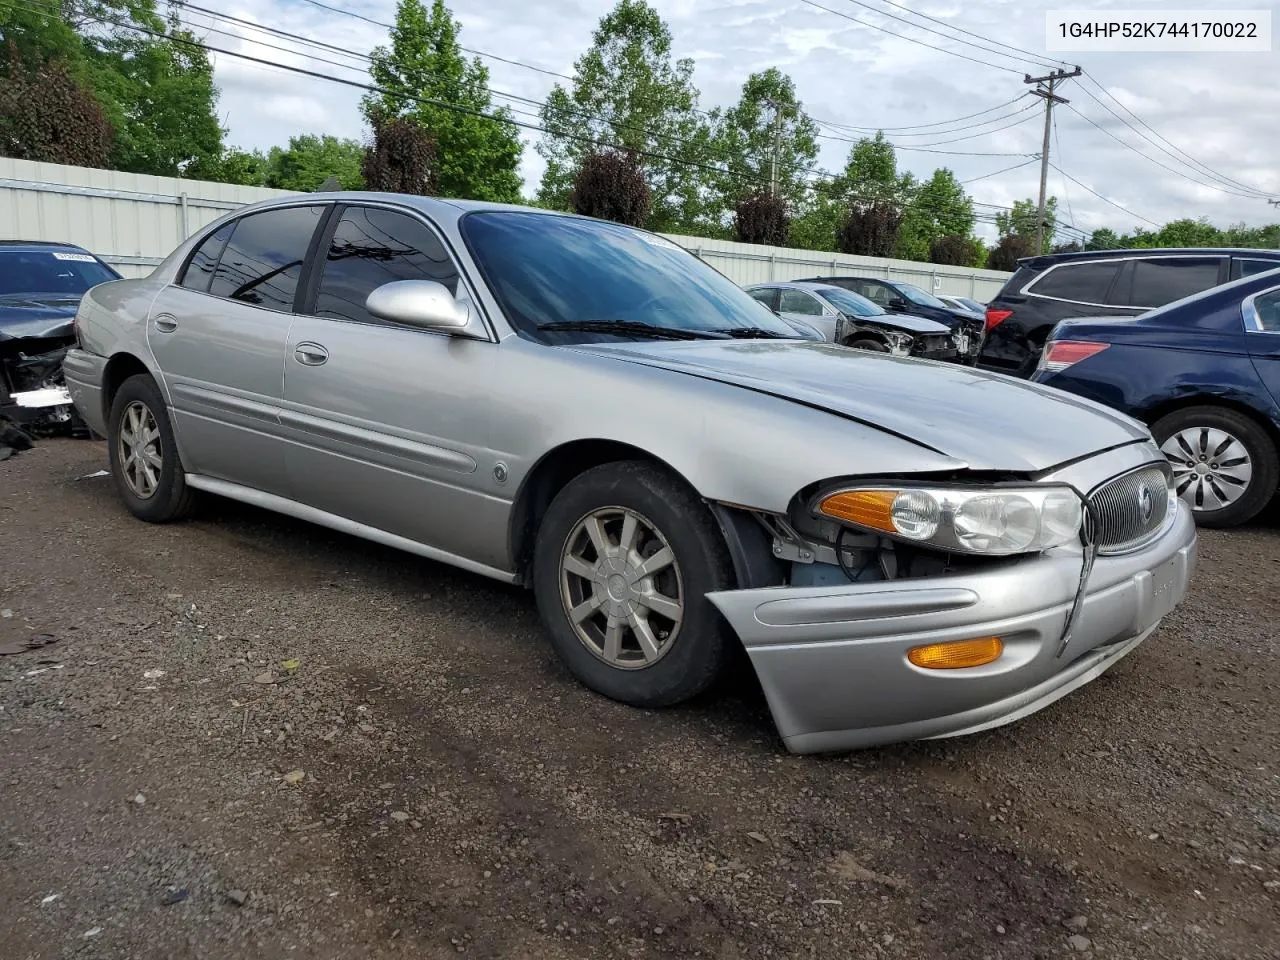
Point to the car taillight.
(1060, 354)
(996, 317)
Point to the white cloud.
(1218, 108)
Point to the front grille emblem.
(1145, 504)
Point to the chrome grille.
(1131, 509)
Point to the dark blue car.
(1204, 374)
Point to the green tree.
(47, 115)
(1103, 238)
(870, 176)
(155, 87)
(940, 208)
(425, 79)
(1021, 222)
(629, 94)
(766, 138)
(309, 160)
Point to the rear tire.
(1225, 464)
(143, 455)
(631, 620)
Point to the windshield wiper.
(755, 333)
(636, 327)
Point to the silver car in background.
(851, 320)
(906, 549)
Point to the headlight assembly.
(899, 343)
(996, 521)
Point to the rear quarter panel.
(1147, 366)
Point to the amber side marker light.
(866, 508)
(957, 654)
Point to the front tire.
(1225, 465)
(144, 457)
(623, 561)
(866, 343)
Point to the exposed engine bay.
(33, 394)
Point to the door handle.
(310, 354)
(166, 323)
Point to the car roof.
(39, 245)
(1049, 259)
(811, 285)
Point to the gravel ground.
(252, 737)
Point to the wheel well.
(1150, 416)
(119, 369)
(547, 478)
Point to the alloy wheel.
(621, 587)
(140, 455)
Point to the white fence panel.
(133, 221)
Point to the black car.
(1204, 374)
(1115, 283)
(40, 289)
(898, 296)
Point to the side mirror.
(418, 303)
(897, 303)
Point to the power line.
(1190, 161)
(892, 16)
(1084, 186)
(996, 173)
(1057, 143)
(921, 126)
(1151, 159)
(925, 16)
(958, 129)
(183, 41)
(900, 36)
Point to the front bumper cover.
(833, 660)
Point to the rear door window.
(263, 259)
(1086, 282)
(205, 260)
(1155, 281)
(1247, 267)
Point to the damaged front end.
(33, 394)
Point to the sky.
(1219, 109)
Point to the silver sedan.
(906, 549)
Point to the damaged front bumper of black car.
(33, 394)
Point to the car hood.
(36, 315)
(904, 321)
(986, 420)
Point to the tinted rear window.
(1248, 267)
(263, 260)
(1157, 281)
(1085, 282)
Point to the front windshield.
(28, 272)
(548, 270)
(848, 302)
(916, 295)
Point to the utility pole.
(1050, 98)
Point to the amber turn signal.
(866, 508)
(958, 653)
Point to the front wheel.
(1224, 465)
(623, 561)
(866, 343)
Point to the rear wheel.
(144, 457)
(1224, 464)
(624, 559)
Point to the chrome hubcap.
(1211, 468)
(139, 450)
(621, 587)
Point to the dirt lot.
(426, 781)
